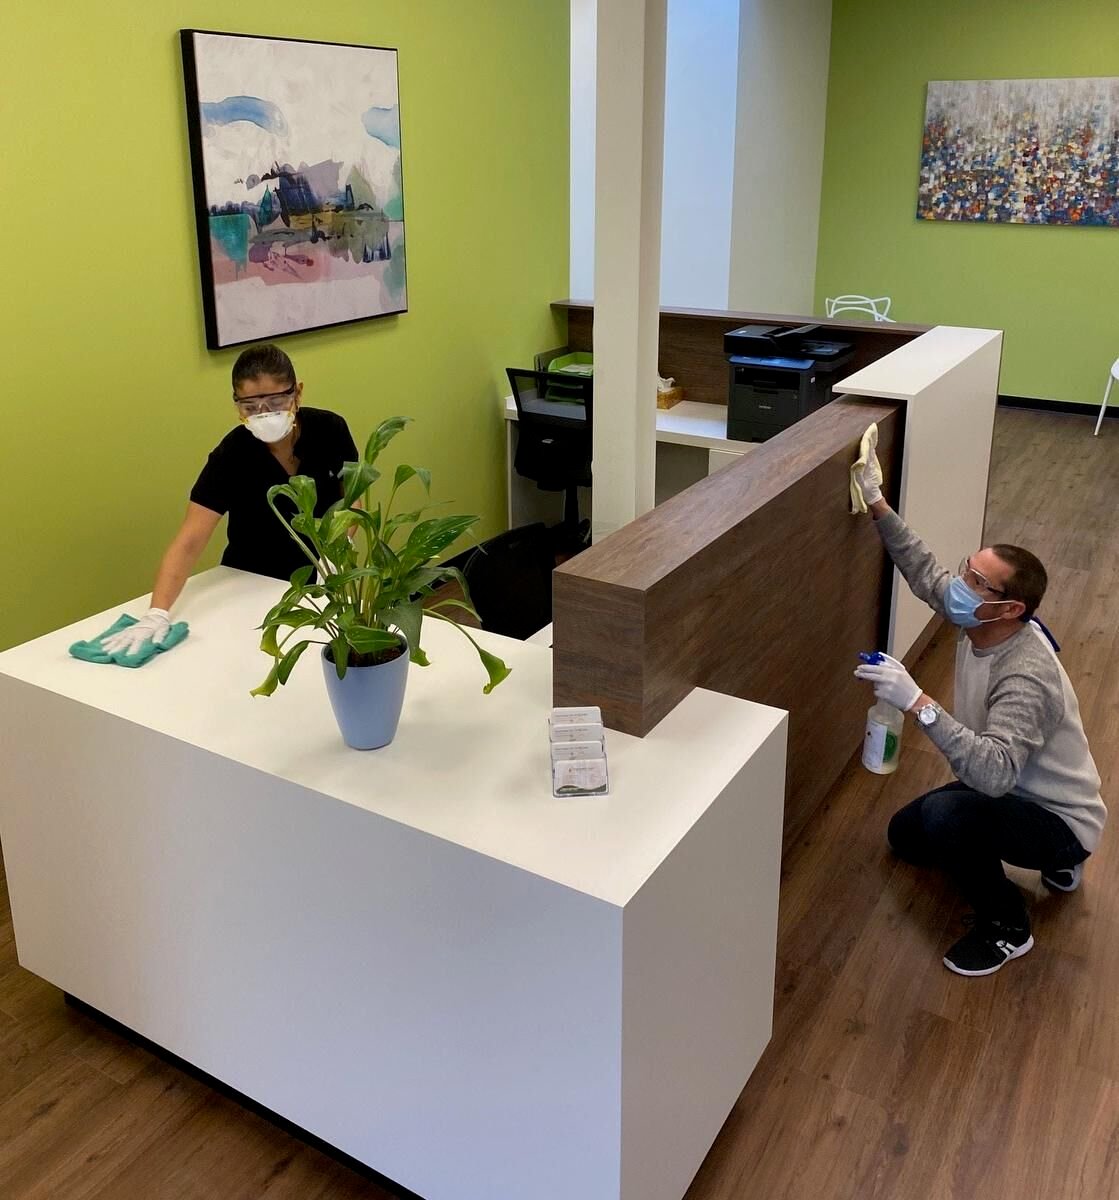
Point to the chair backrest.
(552, 400)
(555, 427)
(877, 307)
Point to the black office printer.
(778, 376)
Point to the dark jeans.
(971, 835)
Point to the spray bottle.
(882, 741)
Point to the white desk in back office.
(692, 443)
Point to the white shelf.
(688, 423)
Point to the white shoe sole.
(1077, 877)
(1017, 952)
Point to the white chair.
(1106, 393)
(878, 307)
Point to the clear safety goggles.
(271, 402)
(977, 582)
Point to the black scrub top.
(241, 469)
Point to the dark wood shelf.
(691, 341)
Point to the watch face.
(927, 715)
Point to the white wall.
(700, 97)
(583, 29)
(779, 153)
(701, 83)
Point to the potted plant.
(369, 570)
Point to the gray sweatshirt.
(1017, 726)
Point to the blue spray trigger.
(872, 659)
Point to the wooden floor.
(886, 1077)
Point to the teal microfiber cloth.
(92, 651)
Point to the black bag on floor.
(510, 581)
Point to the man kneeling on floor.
(1027, 791)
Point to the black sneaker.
(987, 945)
(1067, 880)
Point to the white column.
(629, 155)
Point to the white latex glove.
(869, 479)
(154, 624)
(892, 682)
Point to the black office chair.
(555, 419)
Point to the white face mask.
(271, 427)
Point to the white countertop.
(464, 767)
(688, 423)
(914, 366)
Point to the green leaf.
(281, 669)
(340, 650)
(408, 618)
(335, 525)
(357, 478)
(295, 599)
(298, 619)
(366, 640)
(306, 524)
(369, 521)
(452, 602)
(300, 489)
(450, 574)
(431, 537)
(271, 682)
(301, 575)
(420, 578)
(495, 668)
(402, 519)
(382, 435)
(412, 584)
(291, 658)
(405, 472)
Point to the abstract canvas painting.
(299, 199)
(1028, 151)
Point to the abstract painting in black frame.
(298, 190)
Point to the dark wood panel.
(756, 582)
(691, 342)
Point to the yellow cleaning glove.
(866, 472)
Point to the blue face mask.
(961, 604)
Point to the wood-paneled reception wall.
(756, 582)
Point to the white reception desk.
(416, 953)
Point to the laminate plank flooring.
(887, 1077)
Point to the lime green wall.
(1052, 289)
(110, 399)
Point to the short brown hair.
(263, 360)
(1030, 579)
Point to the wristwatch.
(927, 714)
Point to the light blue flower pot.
(367, 702)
